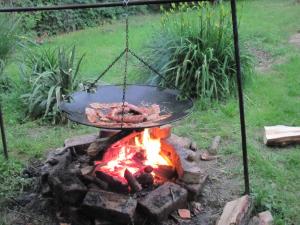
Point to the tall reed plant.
(51, 75)
(193, 49)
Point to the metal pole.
(3, 134)
(95, 5)
(240, 94)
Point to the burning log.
(133, 183)
(106, 143)
(148, 169)
(145, 179)
(91, 179)
(113, 183)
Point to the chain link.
(126, 61)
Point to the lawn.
(271, 97)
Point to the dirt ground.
(223, 185)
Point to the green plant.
(56, 22)
(194, 51)
(8, 42)
(51, 75)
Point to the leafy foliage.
(8, 42)
(51, 75)
(194, 51)
(55, 22)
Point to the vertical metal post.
(3, 134)
(240, 94)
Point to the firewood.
(91, 179)
(113, 183)
(281, 135)
(265, 218)
(236, 212)
(144, 178)
(106, 143)
(133, 183)
(148, 169)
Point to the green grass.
(271, 98)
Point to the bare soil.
(295, 39)
(223, 185)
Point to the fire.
(133, 155)
(152, 149)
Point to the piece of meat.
(91, 114)
(136, 109)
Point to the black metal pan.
(167, 99)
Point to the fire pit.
(124, 177)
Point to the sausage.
(91, 115)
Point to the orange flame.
(123, 155)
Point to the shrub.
(194, 51)
(55, 22)
(51, 75)
(8, 42)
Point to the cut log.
(236, 212)
(99, 146)
(133, 183)
(145, 179)
(265, 218)
(281, 135)
(113, 183)
(87, 179)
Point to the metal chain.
(126, 61)
(151, 68)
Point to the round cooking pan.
(166, 98)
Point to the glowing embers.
(141, 155)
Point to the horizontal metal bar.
(91, 6)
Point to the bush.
(194, 51)
(55, 22)
(51, 75)
(8, 42)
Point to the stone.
(183, 142)
(162, 132)
(67, 188)
(213, 149)
(80, 143)
(194, 190)
(117, 207)
(265, 218)
(63, 161)
(159, 203)
(87, 170)
(104, 133)
(188, 171)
